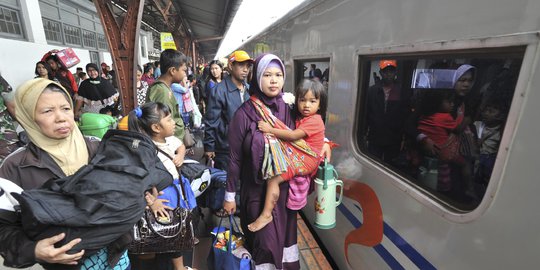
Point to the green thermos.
(325, 200)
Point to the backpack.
(198, 175)
(100, 202)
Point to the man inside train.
(387, 109)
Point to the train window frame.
(527, 43)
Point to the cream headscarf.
(69, 153)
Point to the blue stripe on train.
(385, 255)
(393, 236)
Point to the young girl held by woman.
(311, 100)
(155, 120)
(438, 124)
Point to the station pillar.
(123, 38)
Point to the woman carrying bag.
(57, 149)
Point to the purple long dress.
(274, 246)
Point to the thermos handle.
(339, 183)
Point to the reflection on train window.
(313, 69)
(317, 69)
(438, 121)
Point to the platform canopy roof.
(204, 22)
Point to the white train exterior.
(420, 231)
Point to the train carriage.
(390, 217)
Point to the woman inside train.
(460, 175)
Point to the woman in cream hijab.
(57, 149)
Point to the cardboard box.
(68, 57)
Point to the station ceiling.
(204, 21)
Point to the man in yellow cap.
(223, 102)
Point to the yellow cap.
(123, 124)
(239, 56)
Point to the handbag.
(189, 139)
(152, 235)
(229, 259)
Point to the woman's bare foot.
(260, 222)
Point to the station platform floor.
(311, 255)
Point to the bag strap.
(219, 226)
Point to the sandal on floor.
(221, 213)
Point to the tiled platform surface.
(311, 256)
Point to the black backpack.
(100, 202)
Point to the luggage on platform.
(95, 124)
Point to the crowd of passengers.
(40, 141)
(451, 134)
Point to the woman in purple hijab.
(274, 246)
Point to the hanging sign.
(167, 41)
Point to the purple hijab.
(462, 70)
(261, 64)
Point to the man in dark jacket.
(230, 93)
(387, 110)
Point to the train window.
(437, 120)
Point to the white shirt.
(169, 146)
